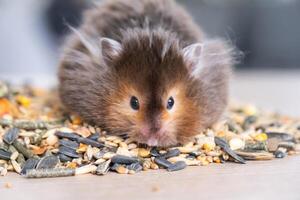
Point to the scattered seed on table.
(11, 135)
(224, 145)
(120, 159)
(70, 144)
(177, 166)
(29, 164)
(162, 162)
(171, 153)
(49, 173)
(103, 168)
(5, 155)
(66, 135)
(68, 152)
(90, 142)
(47, 162)
(22, 149)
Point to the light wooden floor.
(278, 179)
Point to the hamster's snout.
(152, 133)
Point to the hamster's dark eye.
(134, 103)
(170, 103)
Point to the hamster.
(143, 67)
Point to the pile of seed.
(38, 139)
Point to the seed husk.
(70, 136)
(21, 159)
(103, 168)
(223, 144)
(14, 155)
(86, 169)
(16, 166)
(49, 173)
(68, 152)
(287, 145)
(120, 159)
(281, 136)
(171, 153)
(255, 146)
(137, 167)
(154, 152)
(5, 155)
(64, 158)
(90, 142)
(94, 137)
(11, 135)
(22, 149)
(29, 164)
(255, 155)
(180, 165)
(47, 162)
(162, 162)
(279, 153)
(70, 144)
(31, 125)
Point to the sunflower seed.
(22, 149)
(103, 168)
(154, 152)
(281, 136)
(137, 167)
(70, 136)
(171, 153)
(16, 166)
(64, 158)
(90, 142)
(255, 155)
(68, 152)
(49, 173)
(47, 162)
(120, 159)
(162, 162)
(29, 164)
(177, 166)
(70, 144)
(11, 135)
(224, 145)
(5, 155)
(86, 169)
(94, 136)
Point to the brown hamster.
(143, 67)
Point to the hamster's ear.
(192, 57)
(110, 49)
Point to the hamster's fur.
(143, 67)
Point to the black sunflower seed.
(177, 166)
(5, 155)
(162, 162)
(224, 145)
(47, 162)
(71, 136)
(68, 152)
(120, 159)
(70, 144)
(29, 164)
(11, 135)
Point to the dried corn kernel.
(261, 137)
(23, 100)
